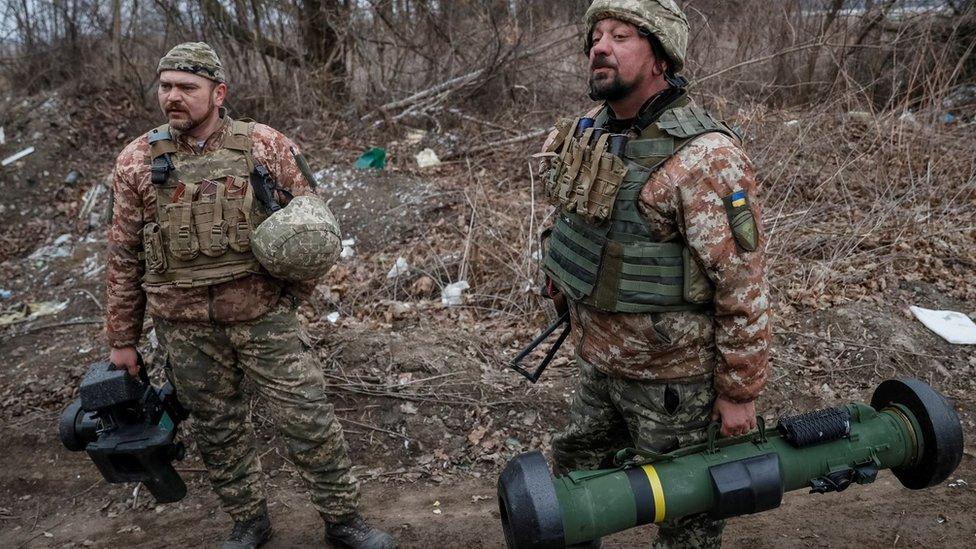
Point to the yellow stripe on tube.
(658, 491)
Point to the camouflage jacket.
(135, 204)
(682, 201)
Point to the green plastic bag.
(373, 159)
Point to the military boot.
(251, 533)
(354, 533)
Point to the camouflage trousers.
(609, 413)
(208, 363)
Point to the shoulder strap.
(240, 136)
(691, 121)
(160, 141)
(161, 146)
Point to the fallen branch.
(488, 146)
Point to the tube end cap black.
(941, 436)
(530, 512)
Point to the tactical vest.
(204, 212)
(601, 251)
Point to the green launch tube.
(908, 428)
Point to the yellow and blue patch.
(738, 199)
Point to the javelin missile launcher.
(908, 428)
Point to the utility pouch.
(179, 227)
(698, 288)
(237, 211)
(596, 193)
(152, 244)
(210, 225)
(570, 164)
(741, 221)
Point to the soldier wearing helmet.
(221, 277)
(657, 252)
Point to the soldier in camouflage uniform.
(180, 249)
(657, 252)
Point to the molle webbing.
(614, 264)
(199, 241)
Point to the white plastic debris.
(908, 117)
(401, 267)
(347, 250)
(17, 156)
(427, 158)
(332, 317)
(3, 136)
(791, 123)
(61, 247)
(954, 327)
(451, 295)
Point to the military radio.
(908, 428)
(128, 428)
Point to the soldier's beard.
(609, 89)
(188, 122)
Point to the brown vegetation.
(860, 123)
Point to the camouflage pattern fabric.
(682, 200)
(663, 18)
(193, 57)
(299, 242)
(135, 202)
(207, 364)
(609, 413)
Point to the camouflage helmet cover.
(300, 241)
(193, 57)
(663, 18)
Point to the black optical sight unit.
(128, 428)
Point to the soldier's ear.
(219, 94)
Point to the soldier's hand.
(125, 358)
(737, 418)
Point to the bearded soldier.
(189, 244)
(658, 253)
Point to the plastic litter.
(952, 326)
(373, 159)
(427, 158)
(452, 294)
(347, 250)
(16, 156)
(5, 294)
(401, 267)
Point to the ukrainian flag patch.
(738, 199)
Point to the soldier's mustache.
(602, 63)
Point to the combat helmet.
(662, 18)
(300, 241)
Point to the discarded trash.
(958, 483)
(332, 317)
(347, 250)
(374, 159)
(451, 295)
(401, 267)
(948, 118)
(72, 177)
(908, 117)
(16, 156)
(954, 327)
(427, 158)
(32, 311)
(3, 136)
(5, 294)
(791, 123)
(61, 247)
